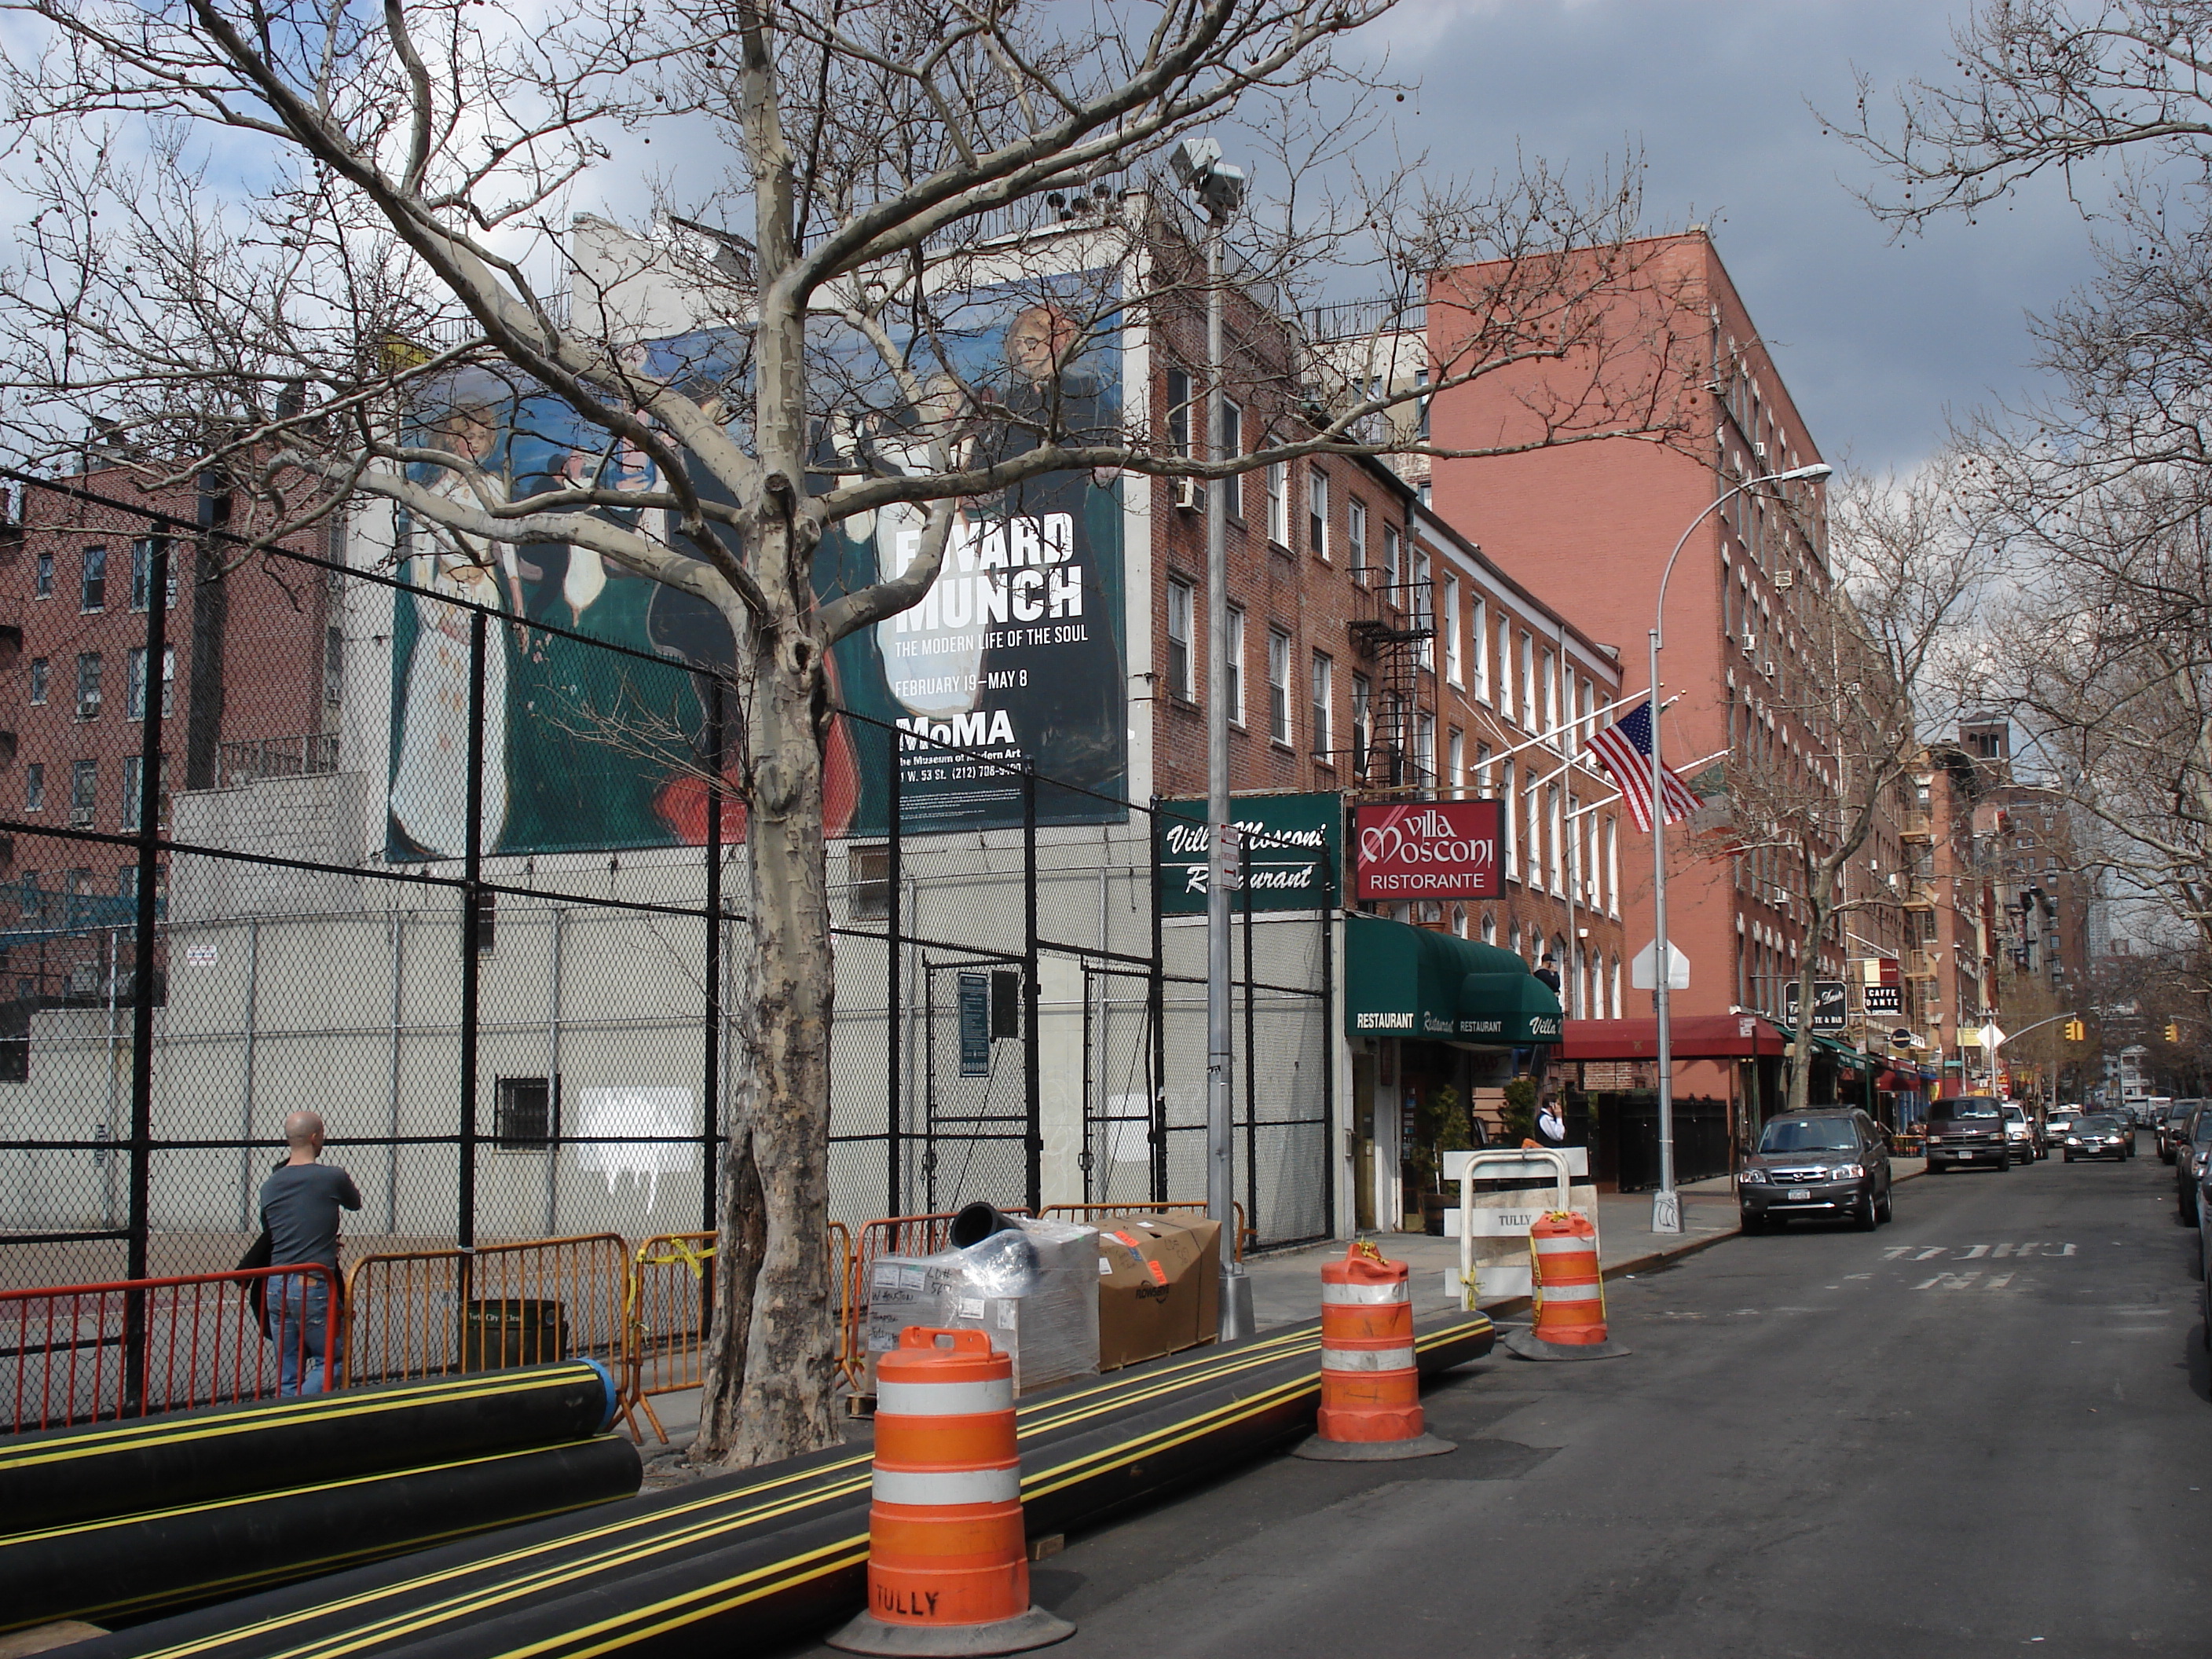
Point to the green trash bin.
(512, 1331)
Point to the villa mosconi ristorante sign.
(1445, 849)
(1286, 851)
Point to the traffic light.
(2174, 1031)
(2074, 1031)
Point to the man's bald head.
(303, 1131)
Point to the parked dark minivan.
(1967, 1130)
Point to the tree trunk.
(770, 1386)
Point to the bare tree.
(324, 251)
(1868, 658)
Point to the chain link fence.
(490, 925)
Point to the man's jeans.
(303, 1324)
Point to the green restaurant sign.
(1289, 852)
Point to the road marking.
(1997, 1282)
(1895, 1251)
(1931, 1253)
(1964, 1281)
(1975, 1251)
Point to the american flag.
(1625, 747)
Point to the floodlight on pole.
(1666, 1205)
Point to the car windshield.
(2097, 1123)
(1807, 1134)
(1964, 1107)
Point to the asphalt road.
(1982, 1429)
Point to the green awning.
(1415, 982)
(1845, 1056)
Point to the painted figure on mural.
(430, 745)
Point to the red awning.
(1693, 1036)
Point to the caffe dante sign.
(1442, 849)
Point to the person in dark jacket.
(299, 1206)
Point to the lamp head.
(1817, 470)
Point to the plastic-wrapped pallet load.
(1032, 1286)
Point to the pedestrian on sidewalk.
(299, 1206)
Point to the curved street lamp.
(1666, 1205)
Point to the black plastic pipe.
(61, 1477)
(105, 1571)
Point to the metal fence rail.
(91, 1353)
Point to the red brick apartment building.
(1588, 527)
(247, 685)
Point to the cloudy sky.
(1878, 341)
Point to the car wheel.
(2004, 1162)
(1863, 1217)
(1753, 1224)
(1882, 1207)
(2069, 1158)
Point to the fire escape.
(1393, 624)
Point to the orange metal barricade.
(439, 1312)
(1082, 1213)
(90, 1353)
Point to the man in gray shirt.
(299, 1206)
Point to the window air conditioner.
(1784, 580)
(1186, 492)
(1767, 669)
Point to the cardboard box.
(1158, 1287)
(1027, 1287)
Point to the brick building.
(247, 688)
(1588, 526)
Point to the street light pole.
(1220, 191)
(1666, 1204)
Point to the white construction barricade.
(1492, 1227)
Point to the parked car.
(2060, 1124)
(2099, 1135)
(1969, 1130)
(2020, 1134)
(2173, 1124)
(1830, 1163)
(2192, 1144)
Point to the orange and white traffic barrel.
(1567, 1291)
(1370, 1385)
(948, 1557)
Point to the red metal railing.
(91, 1353)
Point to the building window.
(1425, 750)
(524, 1114)
(1505, 665)
(1390, 559)
(1318, 512)
(42, 577)
(1478, 623)
(333, 667)
(1318, 719)
(1232, 445)
(40, 674)
(869, 896)
(1363, 720)
(1179, 414)
(1456, 761)
(134, 783)
(1529, 683)
(95, 592)
(1551, 691)
(1425, 615)
(1556, 839)
(1612, 875)
(1481, 771)
(1278, 503)
(1421, 405)
(1278, 685)
(126, 881)
(1233, 661)
(1511, 815)
(34, 787)
(87, 686)
(1180, 597)
(84, 792)
(1489, 928)
(1355, 537)
(133, 683)
(1449, 624)
(142, 575)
